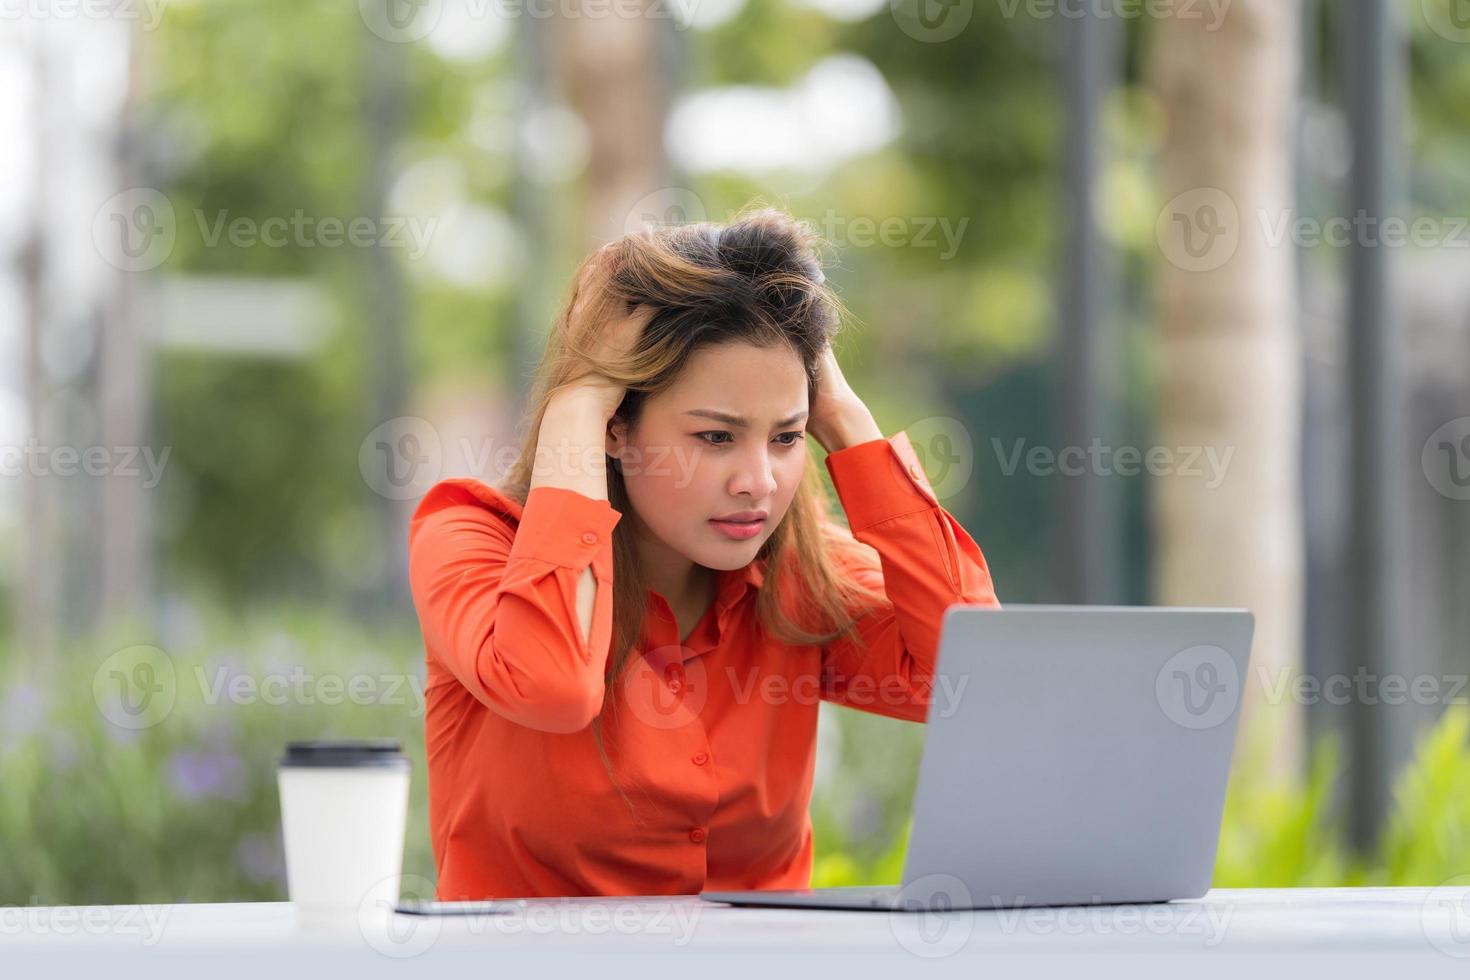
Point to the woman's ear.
(616, 437)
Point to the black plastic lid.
(345, 753)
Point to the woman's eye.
(796, 434)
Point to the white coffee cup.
(344, 809)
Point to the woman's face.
(690, 459)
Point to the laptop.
(1073, 755)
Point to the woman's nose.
(756, 479)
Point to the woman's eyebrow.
(738, 421)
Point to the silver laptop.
(1073, 755)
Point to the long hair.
(758, 280)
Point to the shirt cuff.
(567, 528)
(879, 480)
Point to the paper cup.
(344, 809)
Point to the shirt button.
(589, 537)
(697, 835)
(700, 758)
(914, 469)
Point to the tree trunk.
(385, 313)
(611, 70)
(1228, 364)
(124, 385)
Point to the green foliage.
(1282, 833)
(834, 867)
(1428, 837)
(259, 113)
(187, 809)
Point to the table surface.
(1362, 931)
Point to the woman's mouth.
(739, 530)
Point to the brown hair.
(757, 280)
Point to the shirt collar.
(731, 587)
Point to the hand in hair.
(606, 328)
(839, 418)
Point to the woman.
(629, 639)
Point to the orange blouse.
(713, 740)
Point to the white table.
(1242, 934)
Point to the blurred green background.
(269, 546)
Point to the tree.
(1227, 346)
(610, 70)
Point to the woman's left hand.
(838, 418)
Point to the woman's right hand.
(615, 342)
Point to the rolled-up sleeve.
(497, 605)
(926, 563)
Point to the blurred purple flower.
(201, 775)
(261, 858)
(21, 712)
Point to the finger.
(586, 285)
(601, 261)
(594, 263)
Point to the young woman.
(629, 639)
